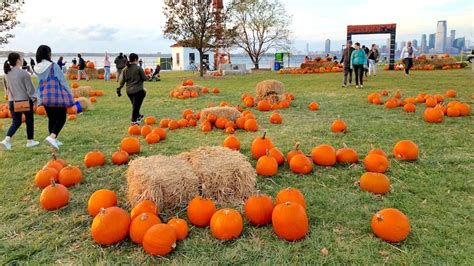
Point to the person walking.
(120, 63)
(358, 62)
(106, 67)
(53, 93)
(133, 76)
(82, 68)
(61, 63)
(408, 53)
(21, 95)
(74, 61)
(366, 66)
(32, 64)
(373, 59)
(346, 61)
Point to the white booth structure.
(186, 58)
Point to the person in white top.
(106, 67)
(408, 54)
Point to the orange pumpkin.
(391, 103)
(70, 175)
(390, 225)
(110, 226)
(258, 210)
(226, 224)
(264, 106)
(131, 145)
(232, 142)
(433, 115)
(347, 155)
(159, 240)
(54, 196)
(141, 224)
(251, 125)
(164, 122)
(41, 110)
(216, 91)
(338, 126)
(313, 106)
(144, 206)
(324, 155)
(220, 122)
(146, 130)
(44, 176)
(278, 155)
(453, 112)
(71, 117)
(451, 93)
(376, 163)
(120, 157)
(200, 211)
(152, 138)
(300, 164)
(431, 102)
(378, 151)
(406, 150)
(206, 126)
(173, 125)
(161, 132)
(260, 145)
(249, 101)
(134, 130)
(94, 158)
(464, 109)
(150, 120)
(267, 165)
(180, 226)
(291, 195)
(290, 221)
(376, 183)
(102, 198)
(276, 118)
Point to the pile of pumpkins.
(112, 224)
(267, 105)
(191, 92)
(435, 110)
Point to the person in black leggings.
(56, 119)
(358, 62)
(133, 76)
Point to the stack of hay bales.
(219, 173)
(182, 89)
(230, 113)
(82, 91)
(272, 90)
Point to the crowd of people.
(54, 94)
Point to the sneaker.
(53, 142)
(59, 142)
(32, 144)
(357, 86)
(6, 145)
(344, 85)
(140, 118)
(361, 86)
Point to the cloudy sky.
(123, 25)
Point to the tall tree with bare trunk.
(262, 25)
(193, 24)
(9, 10)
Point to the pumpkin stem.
(267, 152)
(53, 183)
(357, 183)
(53, 155)
(102, 211)
(379, 217)
(297, 146)
(264, 134)
(144, 216)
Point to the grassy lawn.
(436, 192)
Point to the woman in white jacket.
(408, 54)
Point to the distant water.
(266, 61)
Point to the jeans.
(347, 72)
(107, 73)
(79, 74)
(56, 119)
(136, 99)
(359, 74)
(119, 71)
(408, 64)
(16, 122)
(372, 67)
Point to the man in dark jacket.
(346, 61)
(120, 63)
(82, 68)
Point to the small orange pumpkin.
(152, 138)
(232, 142)
(258, 210)
(120, 157)
(251, 125)
(144, 206)
(292, 195)
(200, 211)
(260, 145)
(94, 158)
(70, 175)
(44, 176)
(324, 155)
(347, 155)
(267, 165)
(406, 150)
(180, 226)
(159, 240)
(110, 226)
(300, 164)
(290, 221)
(54, 196)
(131, 145)
(134, 130)
(376, 183)
(141, 224)
(276, 118)
(264, 106)
(226, 224)
(433, 115)
(102, 198)
(376, 163)
(390, 225)
(338, 126)
(278, 155)
(146, 130)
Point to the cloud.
(94, 33)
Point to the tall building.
(307, 48)
(415, 43)
(441, 32)
(459, 43)
(452, 38)
(402, 44)
(431, 42)
(423, 45)
(327, 46)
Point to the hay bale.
(168, 181)
(268, 88)
(225, 175)
(195, 88)
(230, 113)
(85, 103)
(82, 91)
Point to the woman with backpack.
(53, 92)
(21, 95)
(133, 76)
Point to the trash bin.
(277, 66)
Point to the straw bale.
(230, 113)
(168, 181)
(268, 88)
(85, 103)
(225, 175)
(82, 90)
(189, 88)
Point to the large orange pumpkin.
(406, 150)
(141, 224)
(226, 224)
(290, 221)
(258, 210)
(376, 163)
(376, 183)
(260, 145)
(159, 240)
(324, 155)
(110, 226)
(300, 164)
(102, 198)
(54, 196)
(347, 155)
(278, 155)
(266, 165)
(232, 142)
(131, 145)
(70, 175)
(200, 211)
(390, 225)
(433, 115)
(94, 158)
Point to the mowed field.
(436, 192)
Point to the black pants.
(347, 72)
(136, 99)
(56, 119)
(16, 123)
(408, 65)
(359, 74)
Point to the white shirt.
(405, 54)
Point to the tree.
(261, 26)
(193, 23)
(8, 18)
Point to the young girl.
(19, 87)
(133, 76)
(56, 115)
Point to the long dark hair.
(43, 53)
(11, 62)
(131, 58)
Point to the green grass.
(436, 192)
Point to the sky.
(136, 26)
